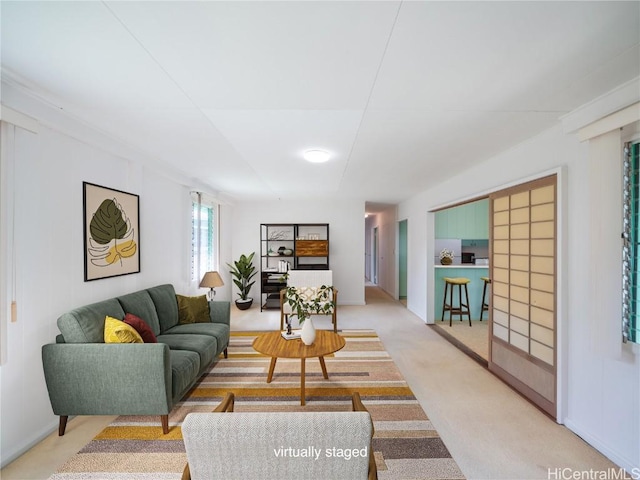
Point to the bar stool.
(485, 306)
(460, 309)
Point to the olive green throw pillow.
(193, 309)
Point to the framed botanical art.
(111, 232)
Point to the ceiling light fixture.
(316, 156)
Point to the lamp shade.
(211, 280)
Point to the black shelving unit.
(303, 246)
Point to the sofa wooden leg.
(186, 473)
(164, 419)
(63, 424)
(226, 353)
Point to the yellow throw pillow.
(116, 331)
(193, 309)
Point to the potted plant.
(243, 271)
(446, 257)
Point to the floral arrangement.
(446, 254)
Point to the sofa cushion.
(141, 327)
(204, 345)
(116, 331)
(164, 298)
(220, 312)
(218, 330)
(86, 324)
(185, 366)
(142, 306)
(193, 309)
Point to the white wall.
(603, 373)
(50, 167)
(600, 378)
(346, 242)
(225, 254)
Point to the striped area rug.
(406, 445)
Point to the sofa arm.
(220, 312)
(108, 379)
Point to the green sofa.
(86, 376)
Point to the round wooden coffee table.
(275, 346)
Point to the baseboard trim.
(459, 345)
(595, 442)
(32, 442)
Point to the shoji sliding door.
(523, 284)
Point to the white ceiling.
(403, 94)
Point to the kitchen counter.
(462, 265)
(475, 286)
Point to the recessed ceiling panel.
(266, 55)
(273, 144)
(507, 56)
(401, 153)
(186, 139)
(82, 54)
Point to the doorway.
(402, 261)
(375, 256)
(463, 230)
(522, 326)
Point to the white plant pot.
(308, 332)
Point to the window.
(204, 235)
(631, 244)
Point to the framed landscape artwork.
(111, 232)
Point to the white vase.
(308, 332)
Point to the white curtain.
(204, 247)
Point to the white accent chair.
(272, 445)
(308, 279)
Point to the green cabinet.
(466, 221)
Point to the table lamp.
(211, 280)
